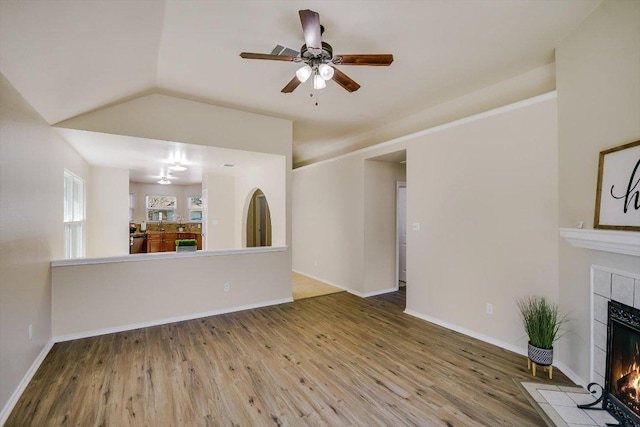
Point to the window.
(161, 208)
(195, 208)
(74, 216)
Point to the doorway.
(401, 243)
(258, 221)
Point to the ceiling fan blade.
(345, 81)
(249, 55)
(311, 29)
(291, 86)
(375, 59)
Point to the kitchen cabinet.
(166, 242)
(154, 243)
(169, 242)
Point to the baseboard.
(569, 373)
(130, 327)
(6, 411)
(498, 343)
(346, 288)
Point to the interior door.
(402, 232)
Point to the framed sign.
(618, 192)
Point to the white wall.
(100, 298)
(32, 163)
(485, 193)
(174, 119)
(107, 212)
(598, 80)
(328, 222)
(271, 178)
(221, 212)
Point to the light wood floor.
(306, 287)
(335, 360)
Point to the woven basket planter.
(540, 356)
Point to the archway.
(258, 221)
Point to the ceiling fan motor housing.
(325, 56)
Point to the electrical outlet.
(416, 226)
(489, 308)
(226, 287)
(30, 332)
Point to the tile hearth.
(558, 405)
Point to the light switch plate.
(416, 226)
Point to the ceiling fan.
(318, 59)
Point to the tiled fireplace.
(608, 284)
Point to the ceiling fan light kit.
(325, 71)
(318, 58)
(304, 73)
(318, 82)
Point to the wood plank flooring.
(335, 360)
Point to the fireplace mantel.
(619, 242)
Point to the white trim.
(165, 255)
(464, 120)
(485, 338)
(11, 403)
(619, 242)
(123, 328)
(399, 185)
(570, 374)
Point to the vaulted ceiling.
(69, 57)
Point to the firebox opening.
(625, 366)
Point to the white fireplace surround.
(608, 284)
(620, 242)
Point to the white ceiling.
(70, 57)
(151, 158)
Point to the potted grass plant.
(543, 322)
(186, 245)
